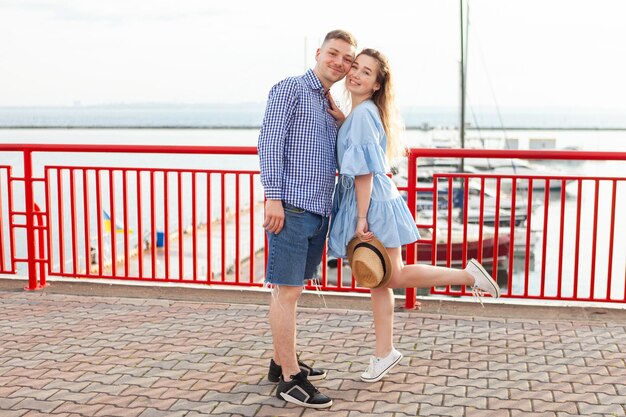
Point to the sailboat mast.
(462, 121)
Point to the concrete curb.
(467, 307)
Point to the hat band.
(376, 251)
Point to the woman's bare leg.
(424, 276)
(409, 276)
(382, 309)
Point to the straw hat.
(370, 262)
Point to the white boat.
(475, 193)
(519, 167)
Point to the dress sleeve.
(364, 151)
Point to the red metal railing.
(197, 225)
(507, 244)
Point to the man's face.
(334, 59)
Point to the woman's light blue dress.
(361, 147)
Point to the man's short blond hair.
(340, 34)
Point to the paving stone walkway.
(78, 355)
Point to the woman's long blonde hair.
(385, 100)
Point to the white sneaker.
(380, 366)
(482, 279)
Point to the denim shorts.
(295, 254)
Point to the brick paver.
(73, 355)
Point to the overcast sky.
(537, 53)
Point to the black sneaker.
(300, 391)
(313, 374)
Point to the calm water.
(251, 115)
(590, 140)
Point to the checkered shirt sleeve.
(279, 114)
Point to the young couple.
(303, 141)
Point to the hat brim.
(379, 249)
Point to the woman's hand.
(334, 111)
(362, 230)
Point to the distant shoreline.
(513, 128)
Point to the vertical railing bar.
(223, 220)
(209, 220)
(481, 222)
(73, 221)
(340, 283)
(611, 241)
(153, 231)
(496, 229)
(559, 287)
(61, 225)
(140, 242)
(166, 224)
(181, 227)
(194, 228)
(339, 273)
(2, 262)
(125, 232)
(41, 249)
(433, 252)
(579, 196)
(512, 234)
(265, 253)
(237, 226)
(544, 251)
(595, 238)
(99, 223)
(112, 223)
(86, 223)
(465, 219)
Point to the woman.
(367, 203)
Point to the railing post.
(29, 199)
(410, 293)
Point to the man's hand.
(274, 216)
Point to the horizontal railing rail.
(170, 217)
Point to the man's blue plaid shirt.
(297, 145)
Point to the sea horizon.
(250, 116)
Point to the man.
(297, 154)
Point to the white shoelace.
(478, 294)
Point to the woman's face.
(361, 79)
